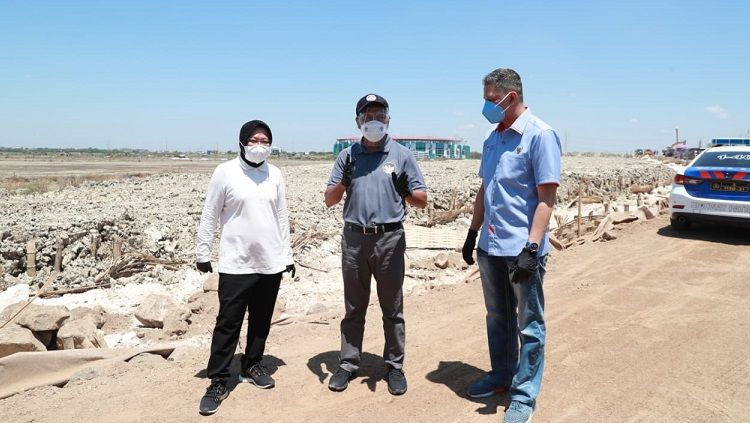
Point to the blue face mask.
(493, 112)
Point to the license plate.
(721, 208)
(729, 186)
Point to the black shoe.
(215, 394)
(396, 381)
(257, 375)
(340, 380)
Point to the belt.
(374, 229)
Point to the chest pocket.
(512, 166)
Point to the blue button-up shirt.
(514, 162)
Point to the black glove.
(292, 269)
(468, 249)
(204, 267)
(401, 182)
(346, 177)
(524, 267)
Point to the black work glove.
(292, 269)
(524, 267)
(346, 177)
(204, 267)
(468, 249)
(401, 182)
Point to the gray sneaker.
(518, 412)
(215, 394)
(396, 382)
(340, 380)
(258, 376)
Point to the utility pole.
(677, 135)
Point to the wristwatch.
(531, 247)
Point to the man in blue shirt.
(520, 171)
(379, 177)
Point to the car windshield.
(724, 159)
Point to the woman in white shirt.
(247, 195)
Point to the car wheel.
(679, 225)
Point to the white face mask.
(255, 153)
(374, 130)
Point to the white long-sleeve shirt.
(251, 205)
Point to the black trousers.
(255, 293)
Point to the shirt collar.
(385, 147)
(519, 124)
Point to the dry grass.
(27, 186)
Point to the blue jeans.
(514, 311)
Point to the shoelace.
(396, 374)
(215, 390)
(258, 370)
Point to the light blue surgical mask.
(493, 111)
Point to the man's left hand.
(524, 267)
(290, 268)
(401, 182)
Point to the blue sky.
(609, 76)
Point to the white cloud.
(459, 113)
(633, 120)
(717, 111)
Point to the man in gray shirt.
(379, 177)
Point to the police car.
(714, 187)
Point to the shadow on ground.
(458, 376)
(270, 362)
(724, 234)
(372, 368)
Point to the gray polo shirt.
(371, 198)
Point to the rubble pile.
(158, 216)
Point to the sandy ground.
(650, 327)
(51, 167)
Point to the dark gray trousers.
(362, 257)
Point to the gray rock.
(15, 339)
(10, 311)
(96, 314)
(80, 334)
(176, 320)
(211, 283)
(441, 260)
(42, 317)
(153, 310)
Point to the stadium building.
(422, 147)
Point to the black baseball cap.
(370, 99)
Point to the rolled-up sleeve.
(546, 155)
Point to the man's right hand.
(204, 267)
(469, 244)
(346, 177)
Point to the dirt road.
(652, 326)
